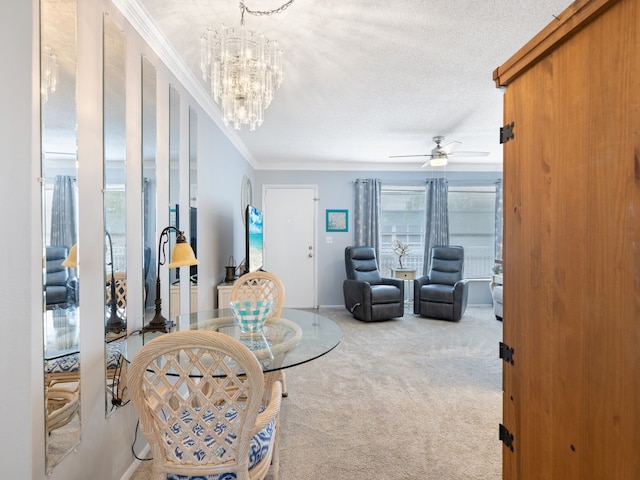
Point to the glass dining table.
(296, 337)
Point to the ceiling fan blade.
(470, 154)
(449, 147)
(408, 156)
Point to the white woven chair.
(121, 290)
(63, 403)
(198, 395)
(262, 286)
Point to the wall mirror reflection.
(149, 186)
(115, 214)
(193, 205)
(61, 301)
(174, 194)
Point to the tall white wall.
(20, 327)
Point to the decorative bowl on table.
(251, 316)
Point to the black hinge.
(506, 353)
(506, 133)
(506, 437)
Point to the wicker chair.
(260, 286)
(263, 286)
(63, 403)
(121, 290)
(199, 397)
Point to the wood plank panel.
(572, 256)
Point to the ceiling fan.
(440, 155)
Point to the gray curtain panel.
(498, 227)
(63, 212)
(366, 217)
(436, 218)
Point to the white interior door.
(290, 215)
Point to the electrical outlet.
(328, 239)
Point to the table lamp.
(181, 256)
(72, 259)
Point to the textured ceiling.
(368, 79)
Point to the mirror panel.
(114, 200)
(174, 194)
(61, 306)
(149, 186)
(193, 205)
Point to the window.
(402, 218)
(471, 224)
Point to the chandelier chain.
(259, 13)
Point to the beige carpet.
(408, 399)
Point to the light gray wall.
(335, 191)
(21, 327)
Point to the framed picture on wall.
(337, 220)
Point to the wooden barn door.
(572, 248)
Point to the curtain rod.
(412, 183)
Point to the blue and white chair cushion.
(259, 448)
(71, 363)
(66, 364)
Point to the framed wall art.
(337, 220)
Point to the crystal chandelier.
(49, 73)
(244, 70)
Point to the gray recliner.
(61, 289)
(367, 295)
(442, 293)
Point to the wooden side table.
(408, 275)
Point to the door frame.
(314, 188)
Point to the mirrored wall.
(115, 210)
(149, 187)
(174, 195)
(193, 205)
(61, 279)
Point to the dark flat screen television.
(254, 238)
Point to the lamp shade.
(72, 258)
(182, 254)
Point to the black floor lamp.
(181, 256)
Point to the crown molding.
(139, 18)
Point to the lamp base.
(115, 324)
(158, 324)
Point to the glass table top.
(61, 333)
(297, 337)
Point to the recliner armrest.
(398, 282)
(356, 293)
(423, 280)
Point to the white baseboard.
(136, 463)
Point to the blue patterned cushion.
(68, 363)
(71, 363)
(114, 354)
(258, 449)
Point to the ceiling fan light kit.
(244, 69)
(439, 161)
